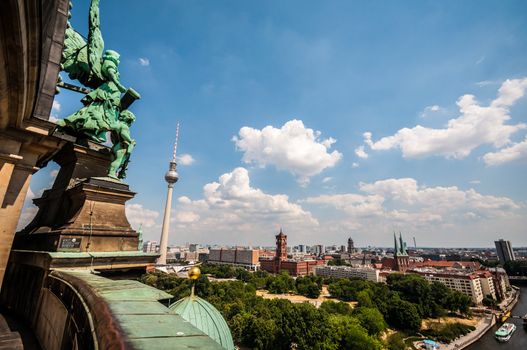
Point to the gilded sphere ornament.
(194, 273)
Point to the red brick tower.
(281, 246)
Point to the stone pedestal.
(84, 211)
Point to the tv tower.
(171, 178)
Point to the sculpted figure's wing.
(95, 41)
(75, 56)
(81, 60)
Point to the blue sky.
(275, 98)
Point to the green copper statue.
(104, 109)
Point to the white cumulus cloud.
(353, 204)
(429, 110)
(327, 179)
(55, 109)
(138, 215)
(56, 106)
(29, 210)
(143, 61)
(403, 201)
(293, 148)
(185, 159)
(517, 151)
(477, 125)
(236, 211)
(359, 152)
(484, 83)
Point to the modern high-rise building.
(351, 246)
(319, 249)
(504, 251)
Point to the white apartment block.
(471, 284)
(362, 272)
(150, 247)
(501, 282)
(487, 284)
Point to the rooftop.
(146, 323)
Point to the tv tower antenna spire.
(171, 177)
(175, 144)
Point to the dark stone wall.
(31, 41)
(55, 15)
(21, 291)
(52, 308)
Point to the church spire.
(396, 248)
(402, 245)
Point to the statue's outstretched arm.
(115, 78)
(95, 40)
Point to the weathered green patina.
(140, 238)
(104, 109)
(145, 322)
(202, 315)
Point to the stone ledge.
(84, 260)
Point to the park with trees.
(399, 304)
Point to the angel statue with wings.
(104, 109)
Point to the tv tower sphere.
(171, 175)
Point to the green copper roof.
(146, 322)
(206, 318)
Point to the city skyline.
(263, 175)
(326, 124)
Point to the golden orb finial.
(194, 272)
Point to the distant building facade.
(319, 249)
(504, 251)
(248, 258)
(501, 281)
(448, 265)
(468, 284)
(150, 246)
(476, 284)
(362, 272)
